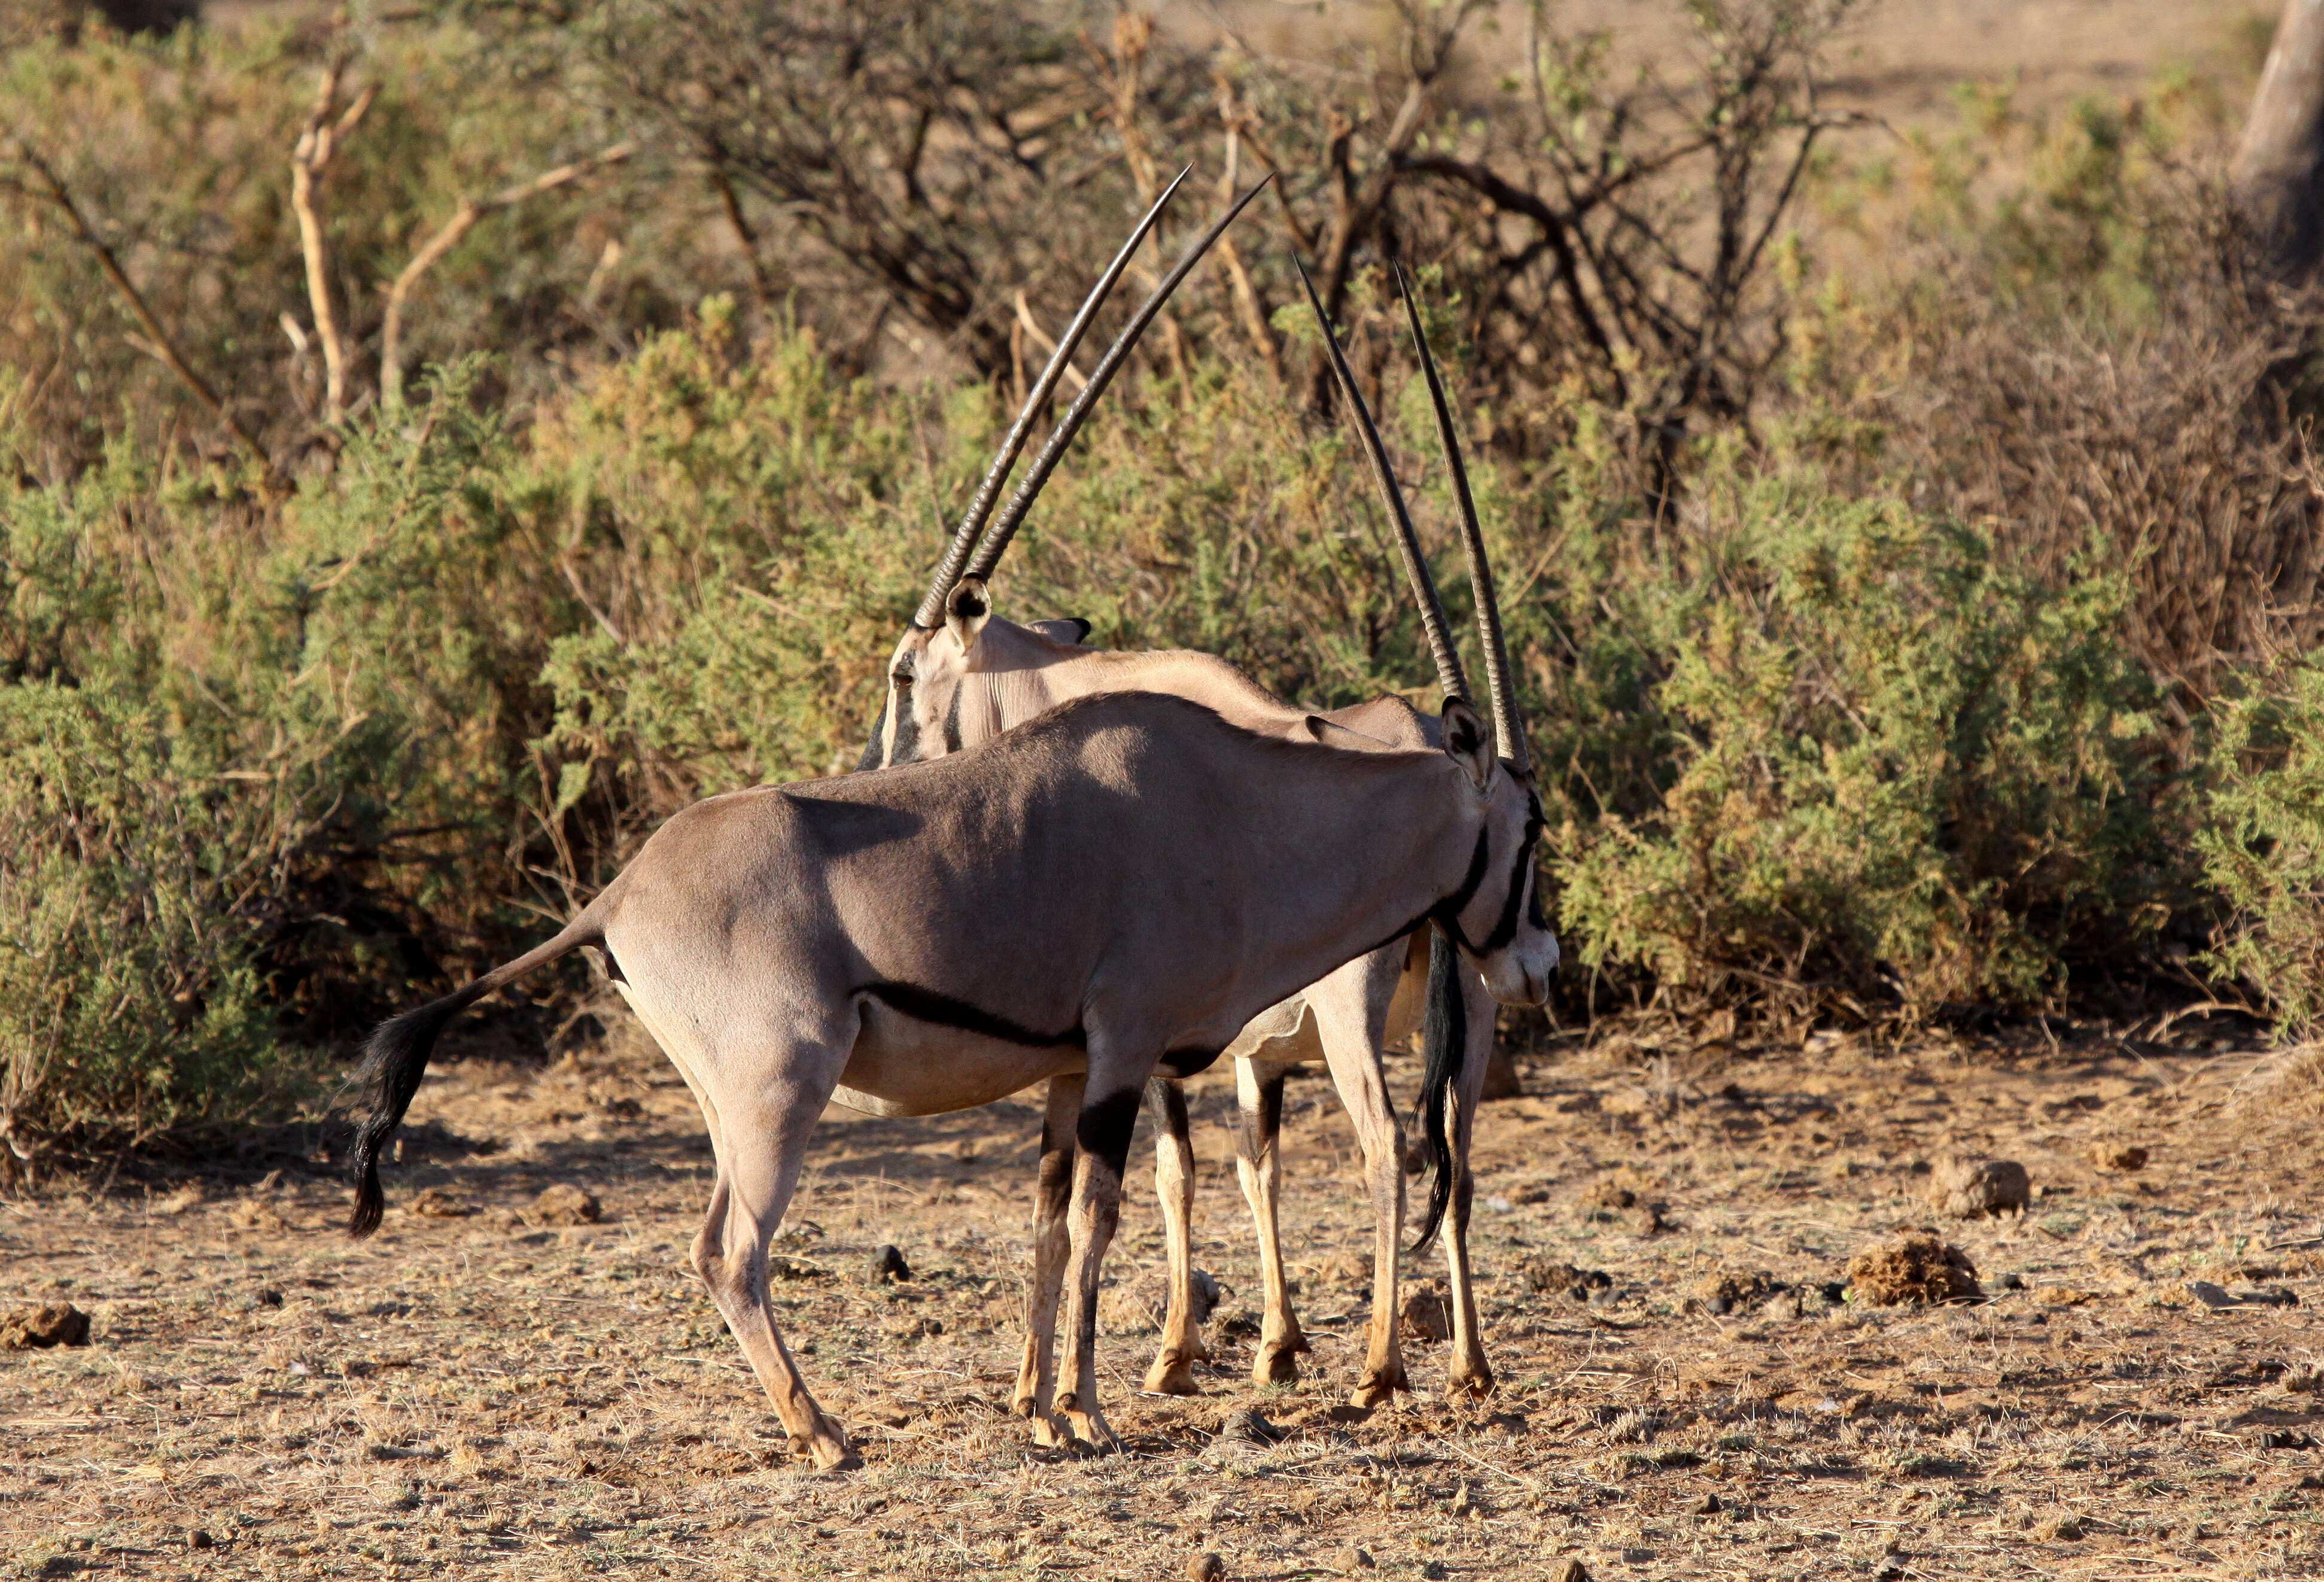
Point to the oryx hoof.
(1173, 1373)
(1469, 1382)
(828, 1450)
(1379, 1387)
(1278, 1362)
(1091, 1435)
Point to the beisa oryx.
(959, 677)
(1115, 888)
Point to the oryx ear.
(1332, 733)
(1467, 743)
(1068, 628)
(967, 609)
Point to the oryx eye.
(902, 678)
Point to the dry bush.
(2173, 447)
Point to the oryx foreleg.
(1259, 1165)
(1037, 1376)
(1352, 1012)
(754, 1186)
(1104, 1131)
(1468, 1372)
(1172, 1372)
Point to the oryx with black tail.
(1114, 889)
(961, 675)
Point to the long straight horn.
(1423, 587)
(972, 523)
(1012, 515)
(1507, 723)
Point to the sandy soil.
(478, 1393)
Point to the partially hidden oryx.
(960, 676)
(1112, 889)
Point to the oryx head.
(943, 637)
(1494, 917)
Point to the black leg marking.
(1106, 1125)
(1054, 1184)
(1167, 1101)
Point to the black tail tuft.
(1444, 1040)
(394, 1060)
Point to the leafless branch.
(54, 190)
(464, 219)
(310, 160)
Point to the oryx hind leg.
(761, 1138)
(1353, 1008)
(1259, 1165)
(1468, 1374)
(1037, 1376)
(1103, 1132)
(1172, 1372)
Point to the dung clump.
(565, 1204)
(51, 1324)
(1556, 1278)
(1976, 1189)
(1424, 1315)
(1734, 1293)
(1918, 1269)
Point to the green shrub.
(2263, 846)
(130, 885)
(1888, 770)
(262, 772)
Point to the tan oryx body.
(978, 676)
(1115, 888)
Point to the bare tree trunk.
(2278, 169)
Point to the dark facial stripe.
(872, 749)
(941, 1010)
(1506, 928)
(1447, 912)
(907, 747)
(952, 721)
(1105, 1127)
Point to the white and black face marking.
(1510, 944)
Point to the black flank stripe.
(1183, 1063)
(926, 1005)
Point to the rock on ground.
(1972, 1189)
(1918, 1269)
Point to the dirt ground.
(477, 1393)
